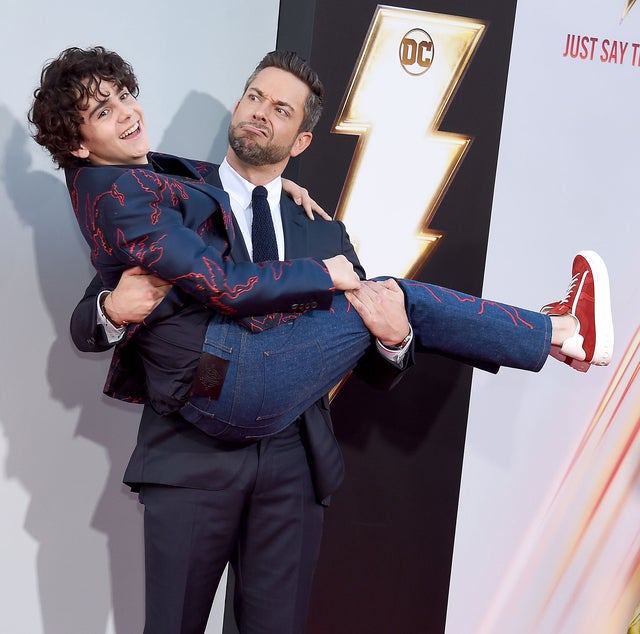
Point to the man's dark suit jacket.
(170, 451)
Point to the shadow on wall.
(210, 118)
(68, 448)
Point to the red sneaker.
(588, 301)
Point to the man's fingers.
(370, 289)
(391, 284)
(355, 298)
(158, 281)
(360, 294)
(382, 286)
(149, 278)
(376, 292)
(134, 270)
(322, 213)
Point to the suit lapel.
(173, 165)
(295, 230)
(239, 251)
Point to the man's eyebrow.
(285, 104)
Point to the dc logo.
(416, 52)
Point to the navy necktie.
(263, 235)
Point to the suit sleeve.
(86, 334)
(350, 253)
(142, 219)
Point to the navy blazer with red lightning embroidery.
(167, 219)
(180, 228)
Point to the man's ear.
(81, 152)
(302, 142)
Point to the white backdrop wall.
(70, 533)
(549, 521)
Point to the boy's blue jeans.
(274, 376)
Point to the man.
(258, 505)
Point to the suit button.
(314, 304)
(295, 307)
(91, 341)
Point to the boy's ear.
(81, 152)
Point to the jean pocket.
(292, 375)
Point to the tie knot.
(259, 192)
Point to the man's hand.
(381, 306)
(300, 196)
(135, 296)
(343, 276)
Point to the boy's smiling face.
(113, 128)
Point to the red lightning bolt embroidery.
(402, 165)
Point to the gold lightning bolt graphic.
(627, 7)
(406, 74)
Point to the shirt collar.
(241, 189)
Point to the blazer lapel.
(173, 165)
(295, 230)
(239, 251)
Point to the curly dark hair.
(300, 68)
(66, 85)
